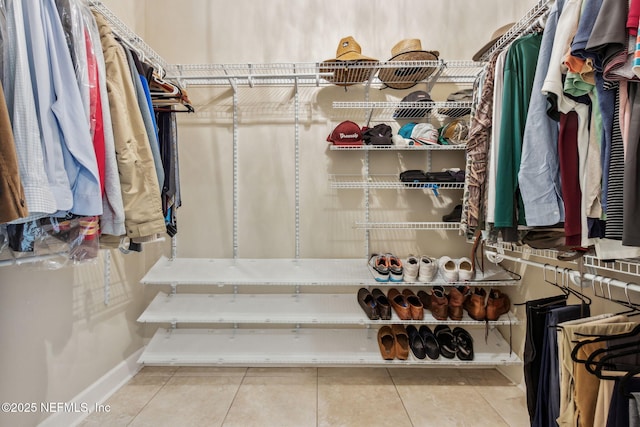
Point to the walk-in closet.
(292, 213)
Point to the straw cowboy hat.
(406, 77)
(347, 67)
(494, 38)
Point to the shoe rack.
(301, 311)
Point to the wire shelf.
(408, 225)
(389, 182)
(458, 147)
(130, 38)
(316, 73)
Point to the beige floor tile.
(509, 402)
(157, 370)
(429, 374)
(190, 401)
(277, 401)
(282, 372)
(192, 371)
(353, 372)
(127, 402)
(484, 377)
(360, 401)
(446, 405)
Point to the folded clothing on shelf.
(413, 175)
(380, 134)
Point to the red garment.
(634, 17)
(95, 111)
(570, 178)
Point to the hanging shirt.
(80, 159)
(22, 111)
(519, 73)
(539, 178)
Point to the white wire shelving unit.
(457, 147)
(315, 73)
(388, 182)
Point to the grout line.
(234, 397)
(400, 397)
(168, 377)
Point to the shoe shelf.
(458, 147)
(283, 271)
(409, 225)
(390, 182)
(302, 347)
(296, 309)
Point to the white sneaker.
(396, 272)
(379, 267)
(449, 269)
(411, 268)
(428, 269)
(465, 270)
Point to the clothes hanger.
(614, 352)
(625, 380)
(600, 338)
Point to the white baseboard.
(96, 394)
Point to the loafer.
(431, 345)
(368, 304)
(415, 305)
(425, 299)
(475, 304)
(446, 340)
(415, 342)
(402, 341)
(387, 343)
(382, 304)
(464, 344)
(456, 300)
(439, 305)
(399, 304)
(498, 304)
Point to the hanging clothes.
(539, 177)
(519, 73)
(139, 183)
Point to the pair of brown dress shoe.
(481, 306)
(406, 304)
(393, 342)
(374, 304)
(443, 305)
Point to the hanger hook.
(609, 280)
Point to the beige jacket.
(138, 180)
(12, 200)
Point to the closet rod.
(518, 28)
(496, 257)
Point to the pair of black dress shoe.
(423, 342)
(375, 304)
(454, 343)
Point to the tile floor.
(299, 397)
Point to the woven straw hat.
(406, 77)
(494, 38)
(341, 68)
